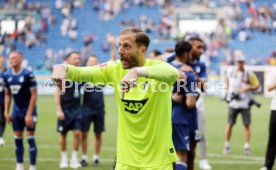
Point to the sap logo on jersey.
(134, 106)
(15, 89)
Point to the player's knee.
(18, 134)
(30, 133)
(84, 135)
(77, 133)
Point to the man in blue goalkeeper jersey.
(20, 84)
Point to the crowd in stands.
(37, 20)
(236, 24)
(69, 23)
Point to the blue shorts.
(72, 121)
(18, 123)
(194, 135)
(193, 130)
(181, 138)
(97, 119)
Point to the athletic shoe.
(19, 166)
(96, 161)
(63, 163)
(203, 164)
(75, 164)
(247, 151)
(226, 150)
(2, 142)
(83, 163)
(264, 168)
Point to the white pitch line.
(45, 146)
(9, 159)
(48, 159)
(255, 158)
(215, 155)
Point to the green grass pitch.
(49, 155)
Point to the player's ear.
(143, 49)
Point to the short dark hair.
(182, 47)
(156, 52)
(141, 38)
(195, 39)
(72, 52)
(92, 55)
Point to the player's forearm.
(271, 87)
(113, 53)
(32, 103)
(201, 83)
(57, 100)
(191, 102)
(79, 74)
(254, 87)
(162, 72)
(7, 103)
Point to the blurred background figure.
(93, 112)
(271, 144)
(2, 95)
(240, 85)
(69, 115)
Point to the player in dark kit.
(93, 111)
(69, 115)
(184, 113)
(2, 95)
(21, 84)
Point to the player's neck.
(181, 60)
(17, 69)
(142, 62)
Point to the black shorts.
(19, 124)
(181, 137)
(233, 113)
(97, 119)
(72, 121)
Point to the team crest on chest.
(9, 79)
(198, 69)
(21, 79)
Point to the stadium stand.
(83, 25)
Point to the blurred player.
(143, 92)
(184, 106)
(2, 95)
(155, 54)
(201, 76)
(93, 111)
(21, 84)
(69, 115)
(199, 69)
(271, 144)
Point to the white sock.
(64, 155)
(227, 144)
(32, 167)
(20, 165)
(74, 155)
(84, 157)
(246, 145)
(95, 157)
